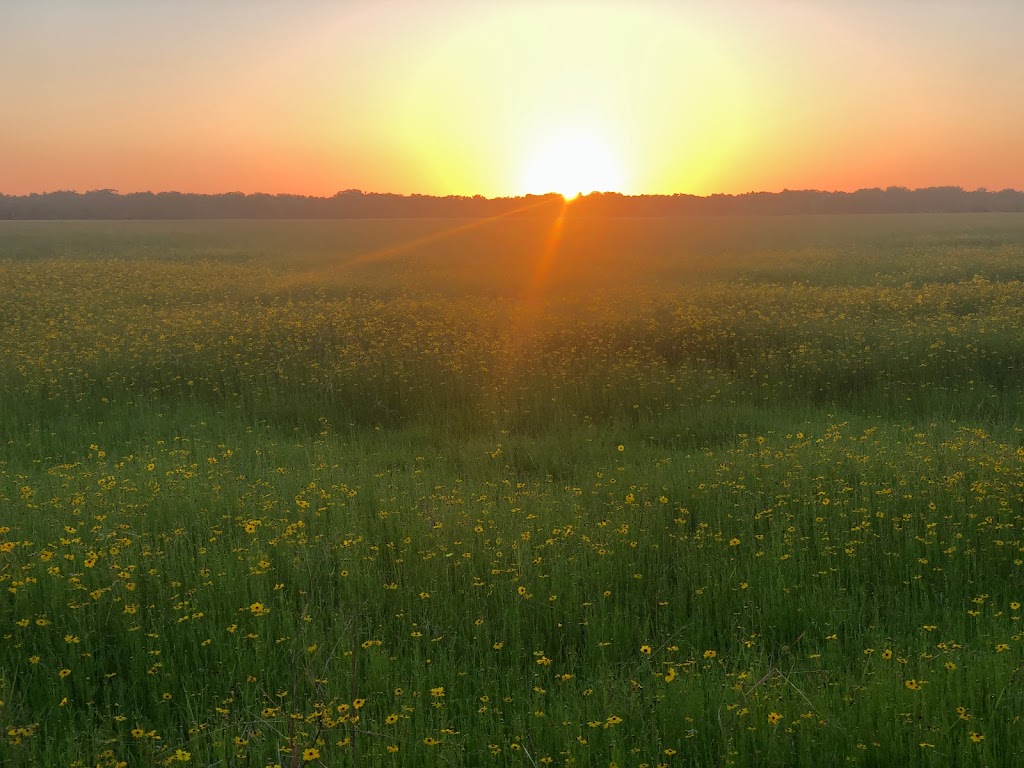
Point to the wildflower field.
(538, 491)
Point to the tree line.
(356, 204)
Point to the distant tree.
(354, 203)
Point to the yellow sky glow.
(506, 98)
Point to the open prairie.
(567, 491)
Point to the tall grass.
(713, 492)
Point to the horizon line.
(525, 195)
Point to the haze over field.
(310, 97)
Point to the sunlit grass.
(759, 506)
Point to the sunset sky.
(502, 98)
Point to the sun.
(571, 164)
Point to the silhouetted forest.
(355, 204)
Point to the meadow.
(533, 491)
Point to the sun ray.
(524, 320)
(326, 273)
(391, 251)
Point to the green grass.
(684, 492)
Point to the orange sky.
(495, 98)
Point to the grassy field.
(700, 492)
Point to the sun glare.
(572, 164)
